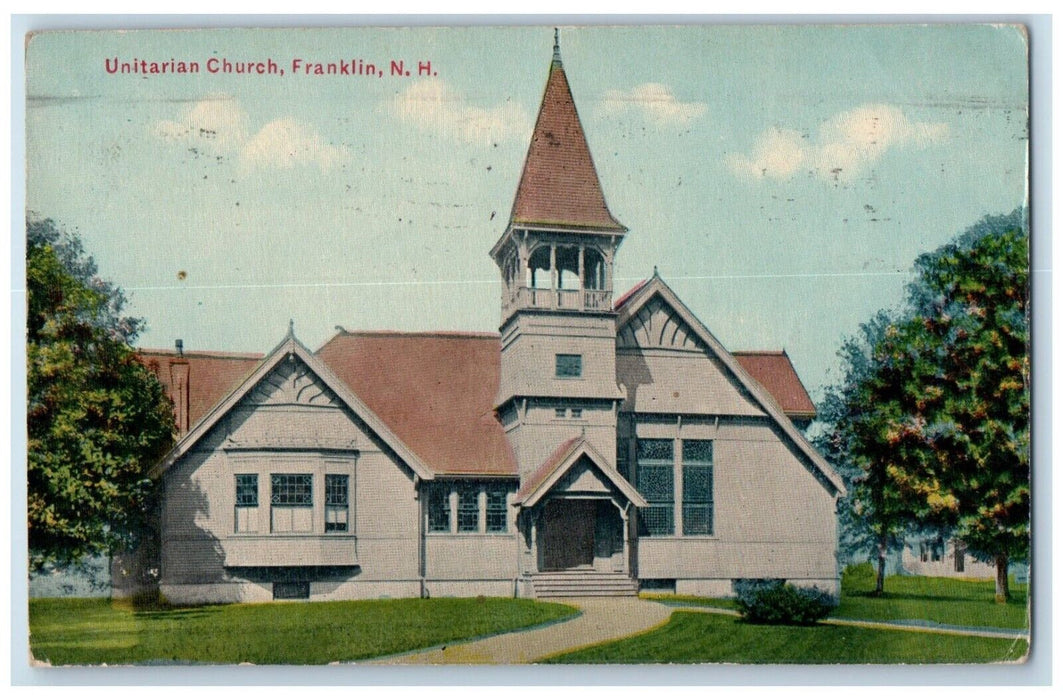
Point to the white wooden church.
(599, 444)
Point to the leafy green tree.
(971, 333)
(97, 418)
(931, 421)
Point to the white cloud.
(433, 106)
(283, 143)
(655, 102)
(778, 153)
(217, 121)
(218, 125)
(846, 144)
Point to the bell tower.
(558, 377)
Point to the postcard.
(529, 344)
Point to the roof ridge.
(479, 335)
(217, 354)
(773, 353)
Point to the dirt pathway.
(602, 620)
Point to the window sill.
(469, 534)
(290, 535)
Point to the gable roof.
(657, 287)
(435, 390)
(776, 373)
(539, 483)
(451, 426)
(213, 375)
(290, 346)
(559, 185)
(626, 296)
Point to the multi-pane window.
(569, 365)
(291, 502)
(337, 503)
(496, 509)
(656, 483)
(468, 508)
(697, 487)
(481, 507)
(439, 508)
(246, 502)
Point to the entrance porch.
(577, 525)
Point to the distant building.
(936, 555)
(594, 446)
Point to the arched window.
(539, 272)
(593, 269)
(510, 270)
(568, 267)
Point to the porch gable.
(576, 467)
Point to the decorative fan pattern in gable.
(656, 325)
(291, 383)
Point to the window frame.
(442, 492)
(655, 501)
(334, 506)
(466, 494)
(497, 511)
(246, 512)
(706, 502)
(292, 499)
(564, 370)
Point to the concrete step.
(575, 584)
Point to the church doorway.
(578, 533)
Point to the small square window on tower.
(569, 365)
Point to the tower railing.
(566, 299)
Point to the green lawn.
(95, 631)
(942, 600)
(692, 637)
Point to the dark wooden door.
(567, 534)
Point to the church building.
(599, 444)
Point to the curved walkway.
(606, 619)
(602, 620)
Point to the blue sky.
(783, 179)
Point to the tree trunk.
(881, 577)
(1003, 592)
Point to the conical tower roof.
(559, 185)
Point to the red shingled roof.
(546, 468)
(436, 392)
(776, 373)
(211, 375)
(559, 185)
(626, 296)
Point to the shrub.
(774, 602)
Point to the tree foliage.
(932, 417)
(874, 515)
(97, 418)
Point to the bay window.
(337, 503)
(246, 512)
(291, 503)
